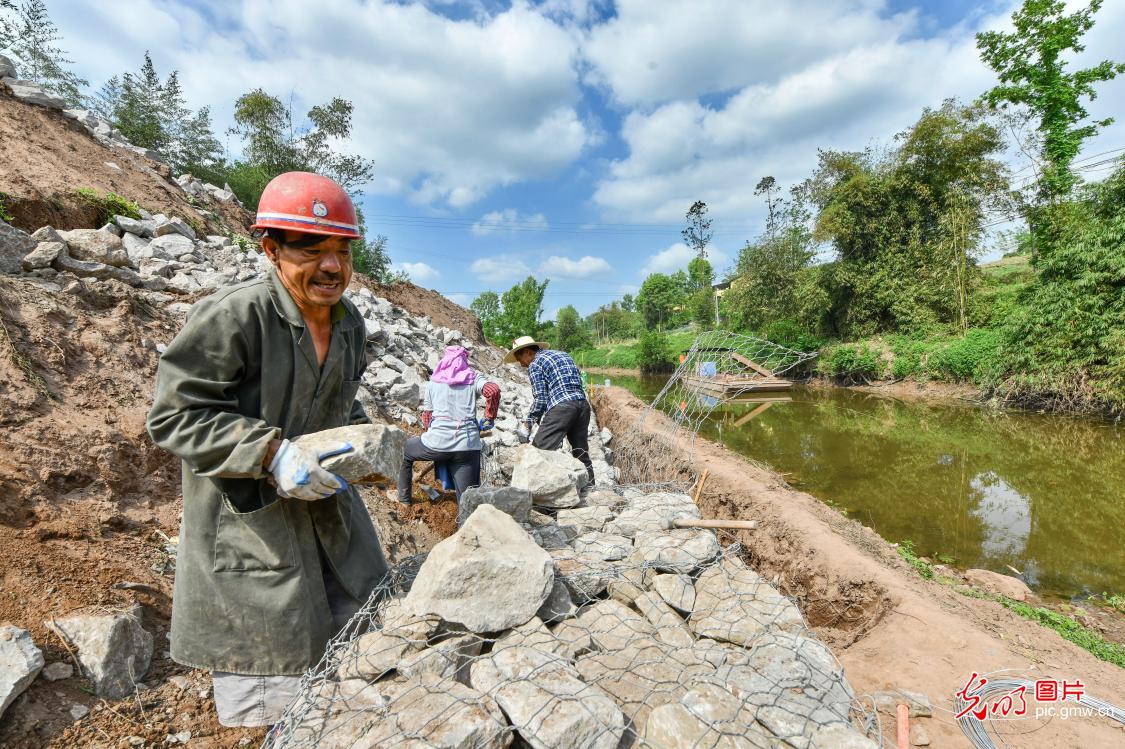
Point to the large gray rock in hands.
(20, 663)
(552, 477)
(375, 457)
(95, 246)
(14, 245)
(113, 648)
(488, 576)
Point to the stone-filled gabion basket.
(624, 633)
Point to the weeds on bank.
(109, 205)
(1068, 628)
(4, 215)
(23, 363)
(906, 551)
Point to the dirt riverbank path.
(889, 627)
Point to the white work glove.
(299, 475)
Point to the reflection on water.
(1042, 494)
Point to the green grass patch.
(1069, 630)
(906, 551)
(109, 205)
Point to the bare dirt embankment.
(890, 628)
(45, 158)
(88, 506)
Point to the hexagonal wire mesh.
(652, 636)
(709, 655)
(721, 368)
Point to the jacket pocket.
(253, 541)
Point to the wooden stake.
(740, 525)
(903, 727)
(702, 481)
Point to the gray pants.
(248, 701)
(570, 419)
(463, 464)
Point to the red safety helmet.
(307, 202)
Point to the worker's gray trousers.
(246, 701)
(464, 466)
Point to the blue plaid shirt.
(555, 379)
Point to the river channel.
(972, 487)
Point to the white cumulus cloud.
(500, 268)
(587, 266)
(677, 257)
(508, 221)
(419, 273)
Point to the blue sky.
(567, 138)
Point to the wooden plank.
(753, 365)
(753, 414)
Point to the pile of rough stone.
(597, 625)
(163, 257)
(31, 93)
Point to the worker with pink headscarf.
(449, 416)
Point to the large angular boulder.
(613, 626)
(7, 68)
(430, 712)
(15, 244)
(31, 93)
(705, 716)
(113, 648)
(735, 604)
(64, 263)
(375, 456)
(547, 701)
(44, 254)
(168, 247)
(138, 227)
(20, 663)
(681, 550)
(488, 576)
(652, 512)
(676, 590)
(508, 499)
(552, 477)
(95, 246)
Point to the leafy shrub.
(109, 205)
(4, 215)
(851, 362)
(653, 353)
(790, 334)
(975, 357)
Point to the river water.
(973, 487)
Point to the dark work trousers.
(463, 464)
(570, 419)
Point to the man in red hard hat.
(275, 552)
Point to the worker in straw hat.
(276, 553)
(560, 406)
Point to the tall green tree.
(487, 309)
(628, 303)
(659, 297)
(153, 113)
(275, 143)
(613, 322)
(697, 233)
(884, 214)
(521, 308)
(30, 37)
(569, 333)
(1030, 62)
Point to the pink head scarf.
(453, 369)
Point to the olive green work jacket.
(249, 595)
